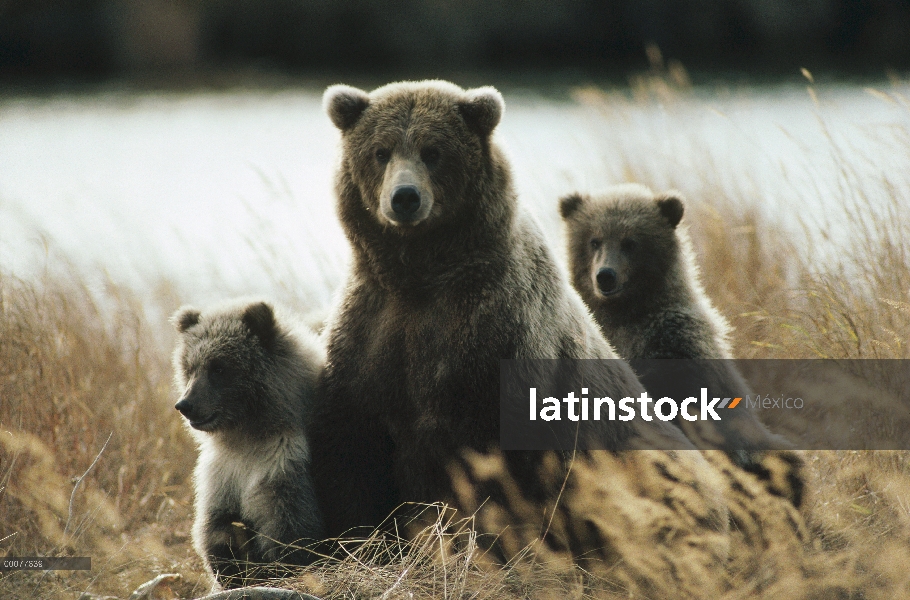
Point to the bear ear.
(482, 109)
(184, 318)
(344, 105)
(671, 208)
(260, 320)
(569, 205)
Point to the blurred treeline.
(111, 38)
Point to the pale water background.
(230, 193)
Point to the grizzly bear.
(448, 277)
(247, 381)
(635, 269)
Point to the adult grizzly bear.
(448, 277)
(635, 269)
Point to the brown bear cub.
(635, 269)
(247, 382)
(448, 276)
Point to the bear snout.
(198, 419)
(406, 198)
(405, 202)
(607, 282)
(187, 409)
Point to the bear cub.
(247, 380)
(635, 269)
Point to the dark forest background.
(101, 39)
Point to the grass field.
(94, 461)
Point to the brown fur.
(659, 309)
(434, 300)
(654, 307)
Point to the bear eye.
(217, 369)
(596, 244)
(628, 245)
(383, 155)
(430, 156)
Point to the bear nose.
(185, 408)
(405, 201)
(606, 280)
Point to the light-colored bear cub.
(246, 381)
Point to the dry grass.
(78, 377)
(75, 369)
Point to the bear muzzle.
(407, 196)
(199, 419)
(607, 281)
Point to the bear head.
(623, 244)
(227, 367)
(415, 154)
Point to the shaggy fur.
(438, 293)
(635, 269)
(658, 308)
(247, 382)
